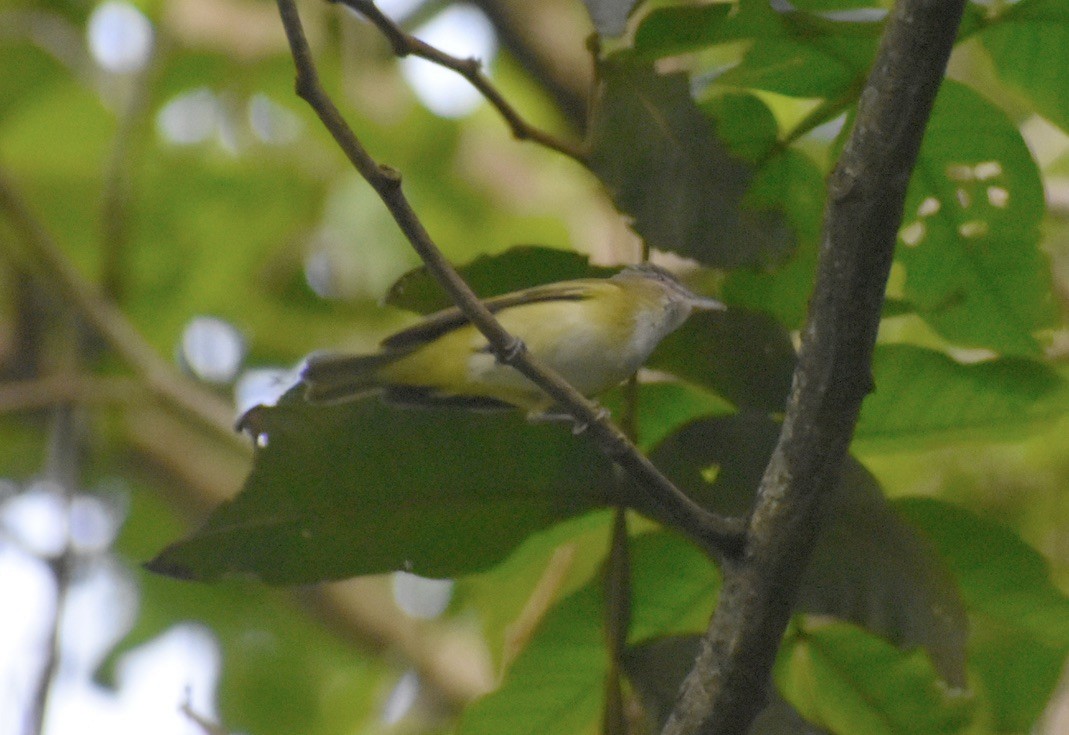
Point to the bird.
(594, 332)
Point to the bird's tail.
(331, 376)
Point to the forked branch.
(726, 688)
(405, 44)
(722, 537)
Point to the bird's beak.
(702, 303)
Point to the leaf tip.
(166, 567)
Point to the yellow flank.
(586, 340)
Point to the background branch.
(63, 469)
(720, 536)
(725, 690)
(405, 44)
(111, 323)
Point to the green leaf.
(362, 487)
(794, 182)
(1020, 620)
(868, 567)
(872, 568)
(549, 565)
(744, 356)
(970, 233)
(659, 157)
(1029, 43)
(850, 681)
(665, 407)
(745, 124)
(924, 397)
(556, 686)
(681, 29)
(822, 66)
(999, 575)
(1016, 671)
(794, 52)
(673, 586)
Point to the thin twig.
(405, 44)
(566, 77)
(110, 322)
(63, 469)
(726, 688)
(115, 202)
(208, 727)
(720, 536)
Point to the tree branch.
(405, 44)
(727, 687)
(720, 536)
(78, 389)
(163, 380)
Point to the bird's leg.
(556, 413)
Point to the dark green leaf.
(660, 159)
(970, 233)
(792, 181)
(868, 567)
(923, 397)
(493, 275)
(361, 487)
(674, 30)
(1029, 43)
(657, 668)
(664, 407)
(38, 74)
(1019, 618)
(744, 356)
(745, 124)
(852, 682)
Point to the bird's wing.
(435, 325)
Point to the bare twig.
(208, 727)
(721, 536)
(63, 461)
(63, 470)
(405, 44)
(726, 688)
(109, 321)
(116, 198)
(539, 36)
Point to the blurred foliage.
(200, 185)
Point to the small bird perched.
(595, 332)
